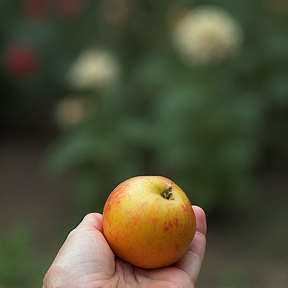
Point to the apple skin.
(146, 227)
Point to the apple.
(148, 221)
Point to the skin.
(86, 260)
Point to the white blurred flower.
(94, 69)
(71, 111)
(206, 34)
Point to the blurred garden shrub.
(20, 263)
(192, 90)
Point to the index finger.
(201, 225)
(191, 262)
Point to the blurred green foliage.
(208, 127)
(20, 263)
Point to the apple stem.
(167, 194)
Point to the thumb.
(92, 220)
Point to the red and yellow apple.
(148, 221)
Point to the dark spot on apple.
(154, 221)
(167, 225)
(176, 248)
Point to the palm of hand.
(86, 260)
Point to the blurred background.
(94, 92)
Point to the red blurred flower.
(36, 9)
(39, 9)
(20, 60)
(71, 7)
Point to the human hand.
(86, 260)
